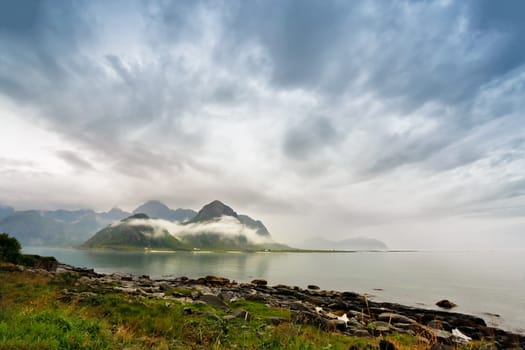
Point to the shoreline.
(408, 289)
(348, 313)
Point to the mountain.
(217, 209)
(257, 225)
(57, 227)
(124, 235)
(357, 243)
(114, 214)
(157, 209)
(212, 211)
(206, 229)
(5, 211)
(216, 226)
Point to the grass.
(35, 313)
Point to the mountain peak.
(136, 216)
(157, 209)
(214, 210)
(259, 227)
(151, 205)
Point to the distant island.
(215, 226)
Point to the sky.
(397, 120)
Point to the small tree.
(9, 248)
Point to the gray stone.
(165, 287)
(357, 332)
(260, 282)
(214, 300)
(392, 317)
(340, 325)
(446, 304)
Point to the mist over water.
(482, 283)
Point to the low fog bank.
(226, 225)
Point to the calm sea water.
(481, 283)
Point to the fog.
(225, 225)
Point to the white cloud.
(225, 225)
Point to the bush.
(9, 248)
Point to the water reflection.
(240, 266)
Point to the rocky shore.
(345, 312)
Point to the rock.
(187, 311)
(362, 333)
(340, 325)
(214, 280)
(242, 314)
(446, 304)
(84, 280)
(226, 296)
(260, 282)
(355, 324)
(122, 276)
(442, 335)
(386, 345)
(460, 336)
(313, 287)
(394, 318)
(214, 300)
(128, 290)
(164, 287)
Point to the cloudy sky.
(399, 120)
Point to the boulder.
(217, 281)
(395, 318)
(446, 304)
(260, 282)
(214, 300)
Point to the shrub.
(9, 248)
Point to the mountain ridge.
(215, 226)
(157, 209)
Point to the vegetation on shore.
(35, 315)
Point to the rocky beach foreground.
(345, 313)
